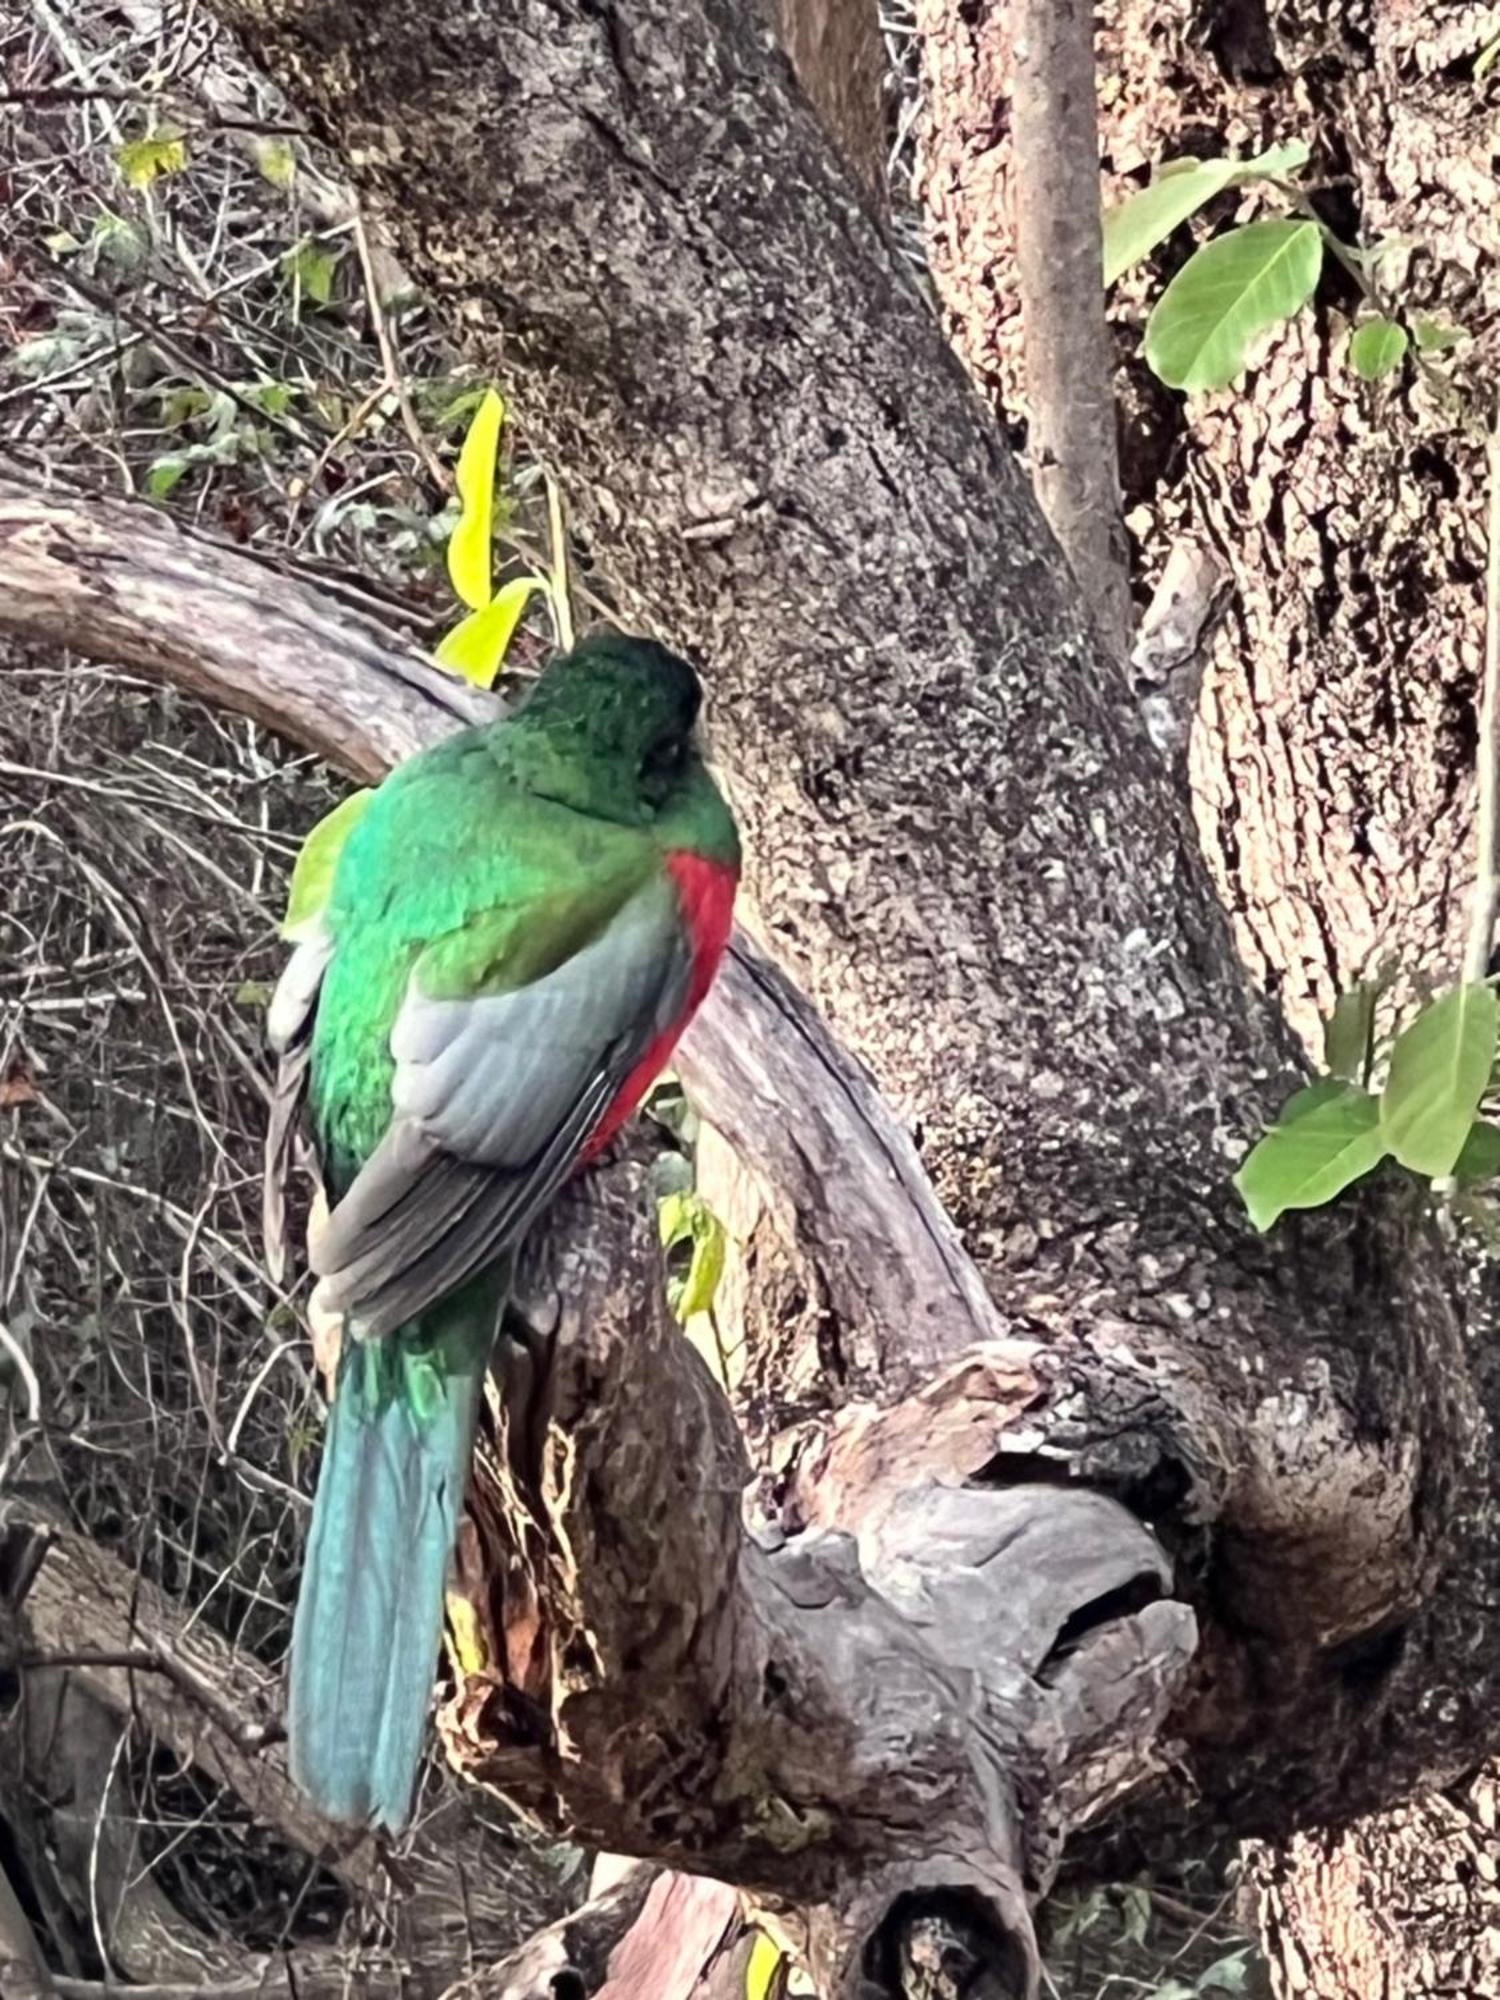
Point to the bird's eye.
(665, 758)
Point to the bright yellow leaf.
(477, 645)
(141, 161)
(464, 1634)
(469, 544)
(765, 1960)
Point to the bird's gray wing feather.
(494, 1098)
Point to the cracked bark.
(1332, 762)
(965, 847)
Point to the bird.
(518, 928)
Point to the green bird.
(518, 929)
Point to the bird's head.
(613, 725)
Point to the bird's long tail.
(369, 1615)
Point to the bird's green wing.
(515, 1034)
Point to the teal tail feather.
(369, 1615)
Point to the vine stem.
(1486, 904)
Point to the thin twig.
(211, 120)
(394, 375)
(560, 594)
(1486, 904)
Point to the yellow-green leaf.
(477, 645)
(765, 1963)
(465, 1634)
(276, 160)
(1226, 295)
(312, 875)
(142, 161)
(1436, 336)
(684, 1216)
(469, 546)
(311, 267)
(1134, 227)
(1328, 1136)
(1378, 345)
(1440, 1069)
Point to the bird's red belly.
(705, 891)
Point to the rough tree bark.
(965, 846)
(1333, 755)
(836, 51)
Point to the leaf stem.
(559, 595)
(1486, 904)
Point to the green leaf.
(765, 1962)
(312, 876)
(447, 409)
(1348, 1033)
(1323, 1091)
(1328, 1136)
(1226, 295)
(142, 161)
(477, 645)
(275, 398)
(1134, 227)
(164, 474)
(117, 241)
(1378, 346)
(311, 267)
(1226, 1975)
(1434, 336)
(1440, 1069)
(253, 993)
(1480, 1158)
(1135, 1912)
(469, 544)
(276, 160)
(686, 1217)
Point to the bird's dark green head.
(627, 700)
(608, 729)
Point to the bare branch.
(220, 1710)
(855, 1719)
(1071, 440)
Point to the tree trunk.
(1334, 750)
(1333, 763)
(1404, 1905)
(836, 51)
(926, 1665)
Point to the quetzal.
(518, 929)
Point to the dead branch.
(857, 1719)
(220, 1710)
(650, 1935)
